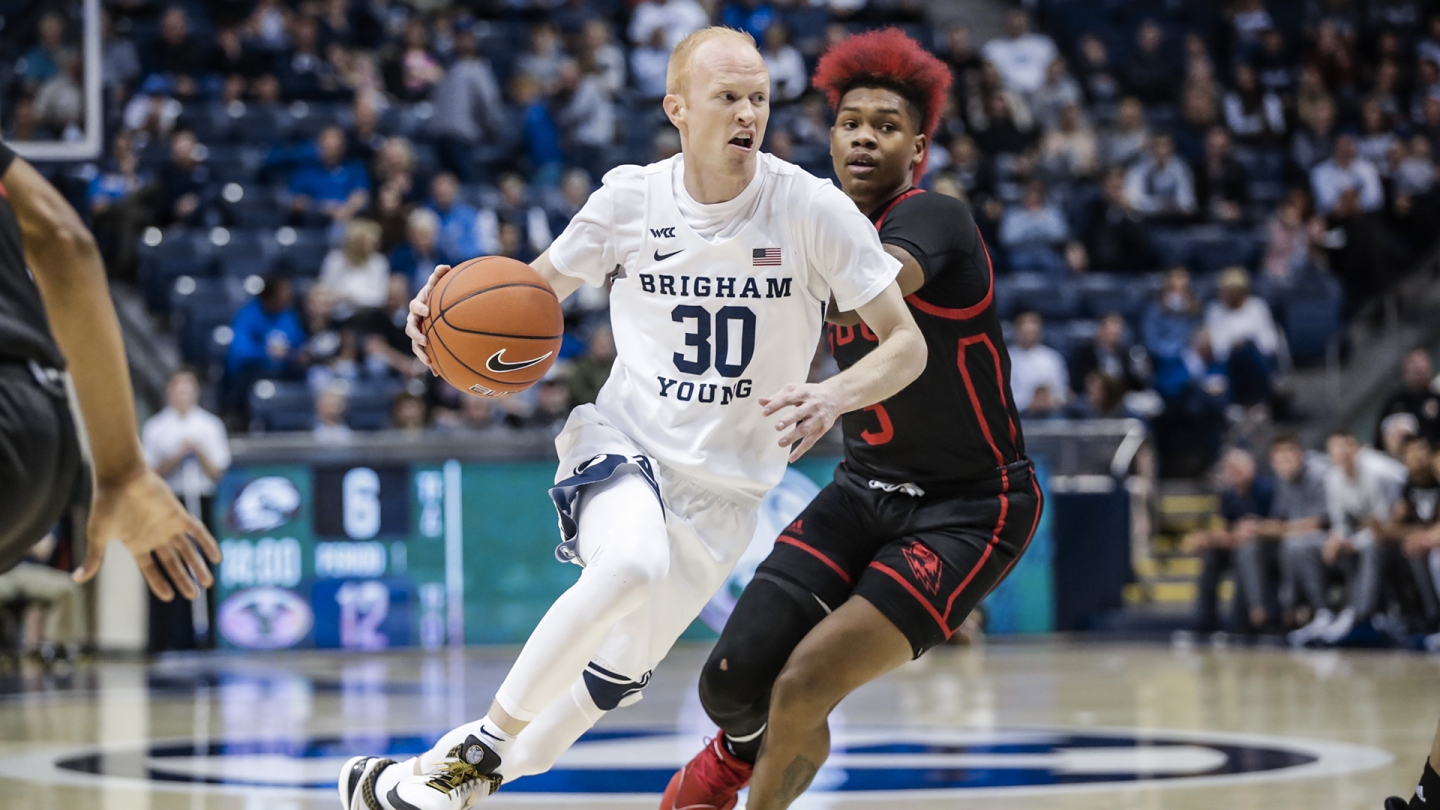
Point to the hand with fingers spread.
(815, 407)
(419, 310)
(144, 514)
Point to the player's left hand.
(815, 410)
(144, 514)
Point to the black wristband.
(7, 156)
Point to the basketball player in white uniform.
(724, 260)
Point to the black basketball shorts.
(40, 460)
(925, 561)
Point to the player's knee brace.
(768, 622)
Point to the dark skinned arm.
(132, 504)
(910, 279)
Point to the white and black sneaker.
(464, 778)
(357, 783)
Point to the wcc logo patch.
(662, 233)
(925, 566)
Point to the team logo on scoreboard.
(264, 619)
(264, 504)
(870, 767)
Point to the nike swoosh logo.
(499, 366)
(660, 258)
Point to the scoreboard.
(368, 555)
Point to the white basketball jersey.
(704, 329)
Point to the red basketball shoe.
(711, 781)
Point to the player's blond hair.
(677, 72)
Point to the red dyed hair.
(891, 60)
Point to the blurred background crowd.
(1186, 202)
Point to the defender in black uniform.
(935, 500)
(40, 455)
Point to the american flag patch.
(765, 257)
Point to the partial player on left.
(57, 316)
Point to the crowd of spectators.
(1333, 547)
(408, 135)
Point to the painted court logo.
(869, 765)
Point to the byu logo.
(663, 233)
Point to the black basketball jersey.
(24, 331)
(956, 423)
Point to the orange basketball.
(495, 326)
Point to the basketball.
(495, 326)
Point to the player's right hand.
(420, 309)
(144, 514)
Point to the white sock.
(553, 732)
(486, 729)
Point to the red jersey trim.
(790, 541)
(964, 313)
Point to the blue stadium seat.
(1104, 293)
(277, 405)
(1211, 252)
(369, 403)
(1054, 299)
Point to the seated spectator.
(459, 221)
(1412, 523)
(1246, 502)
(674, 19)
(787, 67)
(186, 444)
(42, 60)
(1021, 56)
(1195, 389)
(413, 70)
(1033, 364)
(1102, 398)
(1346, 171)
(181, 183)
(1314, 143)
(516, 209)
(585, 114)
(1115, 238)
(1153, 72)
(1069, 150)
(1222, 188)
(356, 273)
(1243, 334)
(754, 17)
(474, 413)
(1253, 114)
(1125, 143)
(1377, 132)
(1293, 239)
(1044, 404)
(1033, 232)
(1170, 321)
(1003, 133)
(119, 207)
(540, 136)
(1297, 522)
(552, 404)
(969, 168)
(468, 107)
(333, 187)
(1058, 92)
(57, 603)
(563, 204)
(1417, 395)
(1099, 80)
(598, 48)
(959, 51)
(543, 59)
(60, 101)
(1160, 185)
(592, 369)
(303, 72)
(415, 259)
(1199, 112)
(330, 407)
(174, 53)
(387, 347)
(267, 338)
(1109, 355)
(1358, 502)
(1273, 63)
(649, 61)
(234, 59)
(152, 110)
(408, 412)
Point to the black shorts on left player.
(40, 461)
(924, 561)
